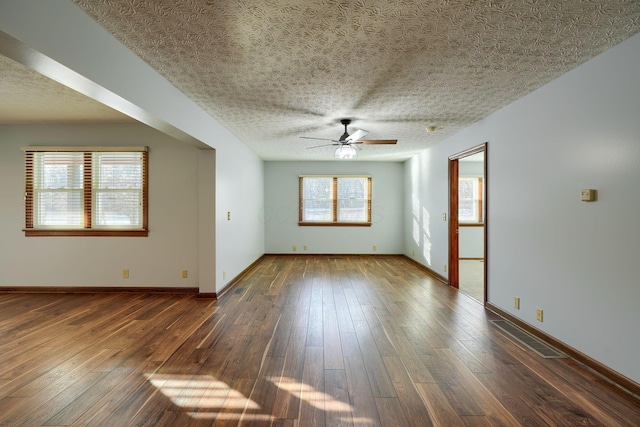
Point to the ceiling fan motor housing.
(345, 135)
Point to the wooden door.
(454, 273)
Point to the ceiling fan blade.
(376, 141)
(357, 135)
(321, 139)
(323, 145)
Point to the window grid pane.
(317, 199)
(352, 199)
(117, 195)
(469, 199)
(58, 190)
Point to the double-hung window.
(470, 200)
(334, 200)
(80, 191)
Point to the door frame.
(454, 272)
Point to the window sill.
(334, 224)
(93, 233)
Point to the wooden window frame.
(87, 230)
(334, 203)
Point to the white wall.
(239, 191)
(281, 210)
(575, 260)
(470, 168)
(470, 242)
(156, 260)
(56, 38)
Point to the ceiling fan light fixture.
(345, 152)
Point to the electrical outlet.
(413, 253)
(539, 313)
(294, 248)
(125, 273)
(305, 247)
(185, 274)
(445, 268)
(224, 275)
(516, 302)
(375, 248)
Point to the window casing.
(80, 191)
(334, 200)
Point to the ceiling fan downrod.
(345, 135)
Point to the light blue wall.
(281, 210)
(575, 260)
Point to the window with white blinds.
(80, 191)
(470, 200)
(334, 200)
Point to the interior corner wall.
(281, 210)
(575, 260)
(153, 261)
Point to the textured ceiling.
(28, 97)
(272, 71)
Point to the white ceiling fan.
(346, 142)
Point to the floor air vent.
(540, 347)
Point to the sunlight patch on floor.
(206, 397)
(205, 393)
(320, 400)
(310, 395)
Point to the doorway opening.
(468, 222)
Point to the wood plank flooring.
(299, 341)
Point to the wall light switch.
(588, 195)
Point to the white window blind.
(117, 190)
(353, 197)
(58, 190)
(470, 200)
(317, 200)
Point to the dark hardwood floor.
(299, 341)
